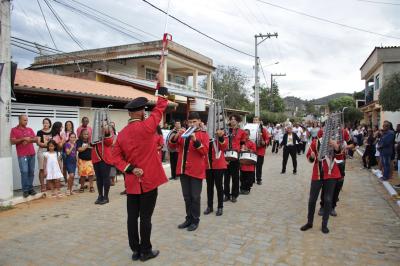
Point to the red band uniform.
(261, 154)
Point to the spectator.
(68, 130)
(85, 125)
(44, 135)
(377, 136)
(52, 166)
(23, 138)
(369, 153)
(397, 145)
(85, 165)
(70, 161)
(59, 137)
(385, 146)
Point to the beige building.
(380, 65)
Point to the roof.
(135, 50)
(55, 84)
(377, 48)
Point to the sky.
(318, 58)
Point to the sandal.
(91, 189)
(81, 190)
(68, 193)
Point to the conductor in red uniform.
(321, 178)
(261, 148)
(135, 154)
(191, 168)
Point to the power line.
(378, 2)
(65, 27)
(100, 20)
(262, 70)
(198, 31)
(24, 48)
(327, 20)
(47, 26)
(116, 19)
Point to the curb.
(20, 199)
(392, 192)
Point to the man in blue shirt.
(385, 147)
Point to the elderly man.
(23, 138)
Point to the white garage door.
(36, 113)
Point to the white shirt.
(289, 139)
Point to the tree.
(310, 109)
(352, 115)
(359, 95)
(389, 96)
(341, 102)
(271, 101)
(231, 81)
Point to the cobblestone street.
(261, 228)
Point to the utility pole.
(6, 178)
(272, 82)
(256, 82)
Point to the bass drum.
(231, 155)
(247, 157)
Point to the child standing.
(70, 161)
(85, 165)
(247, 172)
(52, 166)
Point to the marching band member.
(261, 148)
(321, 179)
(215, 172)
(289, 142)
(191, 168)
(247, 171)
(340, 159)
(235, 136)
(135, 154)
(173, 153)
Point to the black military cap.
(137, 104)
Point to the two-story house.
(380, 65)
(187, 73)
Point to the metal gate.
(36, 113)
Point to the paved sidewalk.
(260, 229)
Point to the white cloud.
(318, 58)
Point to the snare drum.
(247, 157)
(231, 155)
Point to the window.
(169, 77)
(376, 82)
(151, 74)
(180, 80)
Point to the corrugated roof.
(56, 84)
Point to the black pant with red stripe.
(232, 172)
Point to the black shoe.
(136, 255)
(192, 227)
(99, 200)
(185, 224)
(172, 178)
(26, 194)
(104, 201)
(242, 191)
(32, 192)
(306, 227)
(321, 212)
(259, 182)
(227, 198)
(246, 192)
(233, 199)
(123, 192)
(283, 172)
(150, 255)
(325, 229)
(219, 212)
(294, 172)
(333, 213)
(208, 210)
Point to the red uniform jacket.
(251, 146)
(103, 152)
(266, 137)
(346, 137)
(215, 163)
(192, 160)
(135, 146)
(316, 173)
(237, 136)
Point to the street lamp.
(272, 64)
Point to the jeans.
(27, 168)
(385, 160)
